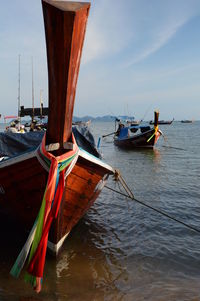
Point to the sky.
(138, 56)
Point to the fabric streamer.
(59, 168)
(156, 133)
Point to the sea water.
(122, 250)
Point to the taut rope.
(130, 195)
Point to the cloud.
(105, 33)
(136, 30)
(157, 42)
(158, 39)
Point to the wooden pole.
(32, 91)
(19, 88)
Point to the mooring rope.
(179, 148)
(130, 195)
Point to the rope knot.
(117, 175)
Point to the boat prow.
(55, 184)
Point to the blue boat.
(137, 136)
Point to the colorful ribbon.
(156, 134)
(59, 167)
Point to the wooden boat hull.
(187, 121)
(162, 122)
(138, 141)
(22, 204)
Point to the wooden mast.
(65, 25)
(33, 105)
(19, 88)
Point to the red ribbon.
(36, 265)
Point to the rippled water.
(121, 250)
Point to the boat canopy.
(124, 131)
(14, 144)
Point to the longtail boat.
(50, 188)
(162, 121)
(137, 136)
(187, 121)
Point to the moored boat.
(162, 121)
(50, 188)
(82, 123)
(187, 121)
(133, 122)
(15, 126)
(141, 136)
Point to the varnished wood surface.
(24, 184)
(65, 25)
(67, 6)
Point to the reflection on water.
(121, 250)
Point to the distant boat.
(187, 121)
(82, 123)
(138, 136)
(15, 126)
(133, 122)
(38, 119)
(10, 117)
(162, 122)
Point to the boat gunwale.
(28, 155)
